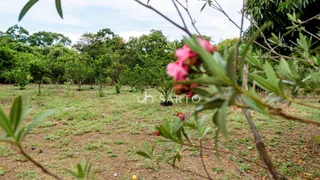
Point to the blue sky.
(124, 17)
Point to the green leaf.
(36, 121)
(205, 4)
(80, 171)
(211, 104)
(16, 113)
(59, 8)
(263, 83)
(214, 67)
(186, 135)
(165, 131)
(204, 131)
(203, 80)
(6, 124)
(254, 103)
(141, 153)
(19, 134)
(271, 75)
(72, 173)
(201, 92)
(220, 118)
(146, 147)
(26, 8)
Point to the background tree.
(58, 57)
(104, 52)
(7, 61)
(78, 71)
(261, 11)
(18, 33)
(38, 69)
(154, 55)
(44, 39)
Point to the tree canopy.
(262, 11)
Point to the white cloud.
(127, 34)
(125, 17)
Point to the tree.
(18, 33)
(7, 59)
(78, 71)
(58, 57)
(38, 69)
(103, 52)
(154, 54)
(20, 75)
(262, 11)
(44, 39)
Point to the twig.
(203, 164)
(181, 17)
(235, 165)
(227, 152)
(200, 175)
(310, 19)
(223, 12)
(220, 9)
(279, 112)
(45, 170)
(262, 34)
(307, 105)
(240, 37)
(310, 34)
(165, 17)
(193, 22)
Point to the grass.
(109, 130)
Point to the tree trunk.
(100, 88)
(245, 77)
(79, 86)
(39, 86)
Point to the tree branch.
(202, 161)
(235, 165)
(193, 22)
(282, 114)
(260, 146)
(165, 17)
(44, 170)
(181, 17)
(240, 37)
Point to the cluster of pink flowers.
(180, 69)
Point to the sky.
(124, 17)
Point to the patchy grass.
(109, 130)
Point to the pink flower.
(184, 53)
(156, 133)
(194, 85)
(188, 112)
(206, 45)
(190, 94)
(177, 71)
(181, 116)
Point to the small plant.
(15, 132)
(83, 171)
